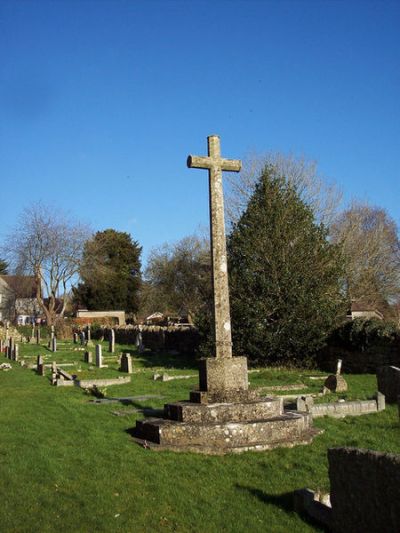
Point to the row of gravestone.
(10, 348)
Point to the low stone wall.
(90, 383)
(388, 378)
(365, 490)
(181, 339)
(341, 409)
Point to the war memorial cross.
(215, 164)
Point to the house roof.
(22, 286)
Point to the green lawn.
(69, 464)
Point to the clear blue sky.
(102, 101)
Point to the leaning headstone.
(53, 344)
(126, 363)
(88, 357)
(336, 382)
(111, 341)
(99, 356)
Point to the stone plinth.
(286, 429)
(221, 376)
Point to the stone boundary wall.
(365, 490)
(92, 315)
(181, 339)
(388, 378)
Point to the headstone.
(1, 345)
(32, 337)
(40, 365)
(99, 356)
(53, 373)
(11, 344)
(89, 333)
(82, 336)
(88, 357)
(388, 378)
(126, 363)
(38, 335)
(7, 330)
(53, 344)
(75, 337)
(16, 353)
(7, 351)
(111, 341)
(139, 342)
(51, 333)
(336, 382)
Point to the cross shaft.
(215, 164)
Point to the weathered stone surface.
(197, 396)
(365, 490)
(341, 409)
(88, 357)
(388, 378)
(126, 363)
(90, 383)
(287, 429)
(223, 375)
(215, 164)
(224, 412)
(336, 383)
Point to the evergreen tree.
(284, 276)
(110, 273)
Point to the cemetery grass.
(69, 463)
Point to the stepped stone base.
(224, 416)
(219, 428)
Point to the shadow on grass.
(166, 360)
(284, 501)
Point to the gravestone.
(99, 356)
(223, 415)
(40, 365)
(7, 330)
(126, 363)
(16, 353)
(51, 333)
(38, 335)
(1, 345)
(111, 341)
(75, 337)
(336, 382)
(53, 344)
(89, 334)
(82, 337)
(139, 341)
(88, 357)
(388, 378)
(11, 344)
(53, 373)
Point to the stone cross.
(215, 164)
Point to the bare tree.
(178, 277)
(48, 245)
(370, 241)
(324, 198)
